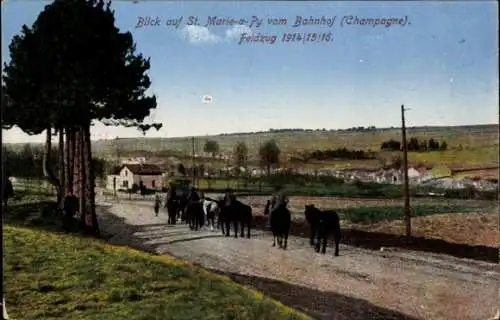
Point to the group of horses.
(216, 213)
(219, 214)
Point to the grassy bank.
(49, 275)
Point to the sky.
(441, 61)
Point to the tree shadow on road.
(116, 230)
(315, 303)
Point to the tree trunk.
(77, 164)
(90, 217)
(69, 152)
(48, 171)
(62, 185)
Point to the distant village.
(154, 173)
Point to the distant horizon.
(442, 64)
(140, 136)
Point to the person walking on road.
(157, 204)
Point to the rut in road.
(420, 285)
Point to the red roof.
(421, 169)
(144, 169)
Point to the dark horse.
(237, 213)
(323, 223)
(280, 220)
(195, 215)
(183, 202)
(173, 207)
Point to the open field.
(55, 276)
(468, 146)
(475, 228)
(483, 174)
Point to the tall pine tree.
(70, 68)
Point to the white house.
(389, 176)
(151, 176)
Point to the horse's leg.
(325, 239)
(222, 224)
(189, 217)
(227, 222)
(274, 239)
(313, 234)
(249, 222)
(242, 228)
(235, 226)
(318, 242)
(285, 240)
(197, 220)
(337, 241)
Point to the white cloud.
(236, 31)
(202, 35)
(199, 35)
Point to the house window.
(153, 184)
(126, 172)
(125, 183)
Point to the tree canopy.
(211, 146)
(73, 66)
(240, 154)
(269, 153)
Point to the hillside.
(468, 146)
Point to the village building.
(127, 175)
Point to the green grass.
(470, 157)
(50, 275)
(322, 187)
(381, 213)
(313, 189)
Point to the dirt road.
(360, 284)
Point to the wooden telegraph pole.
(192, 161)
(406, 190)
